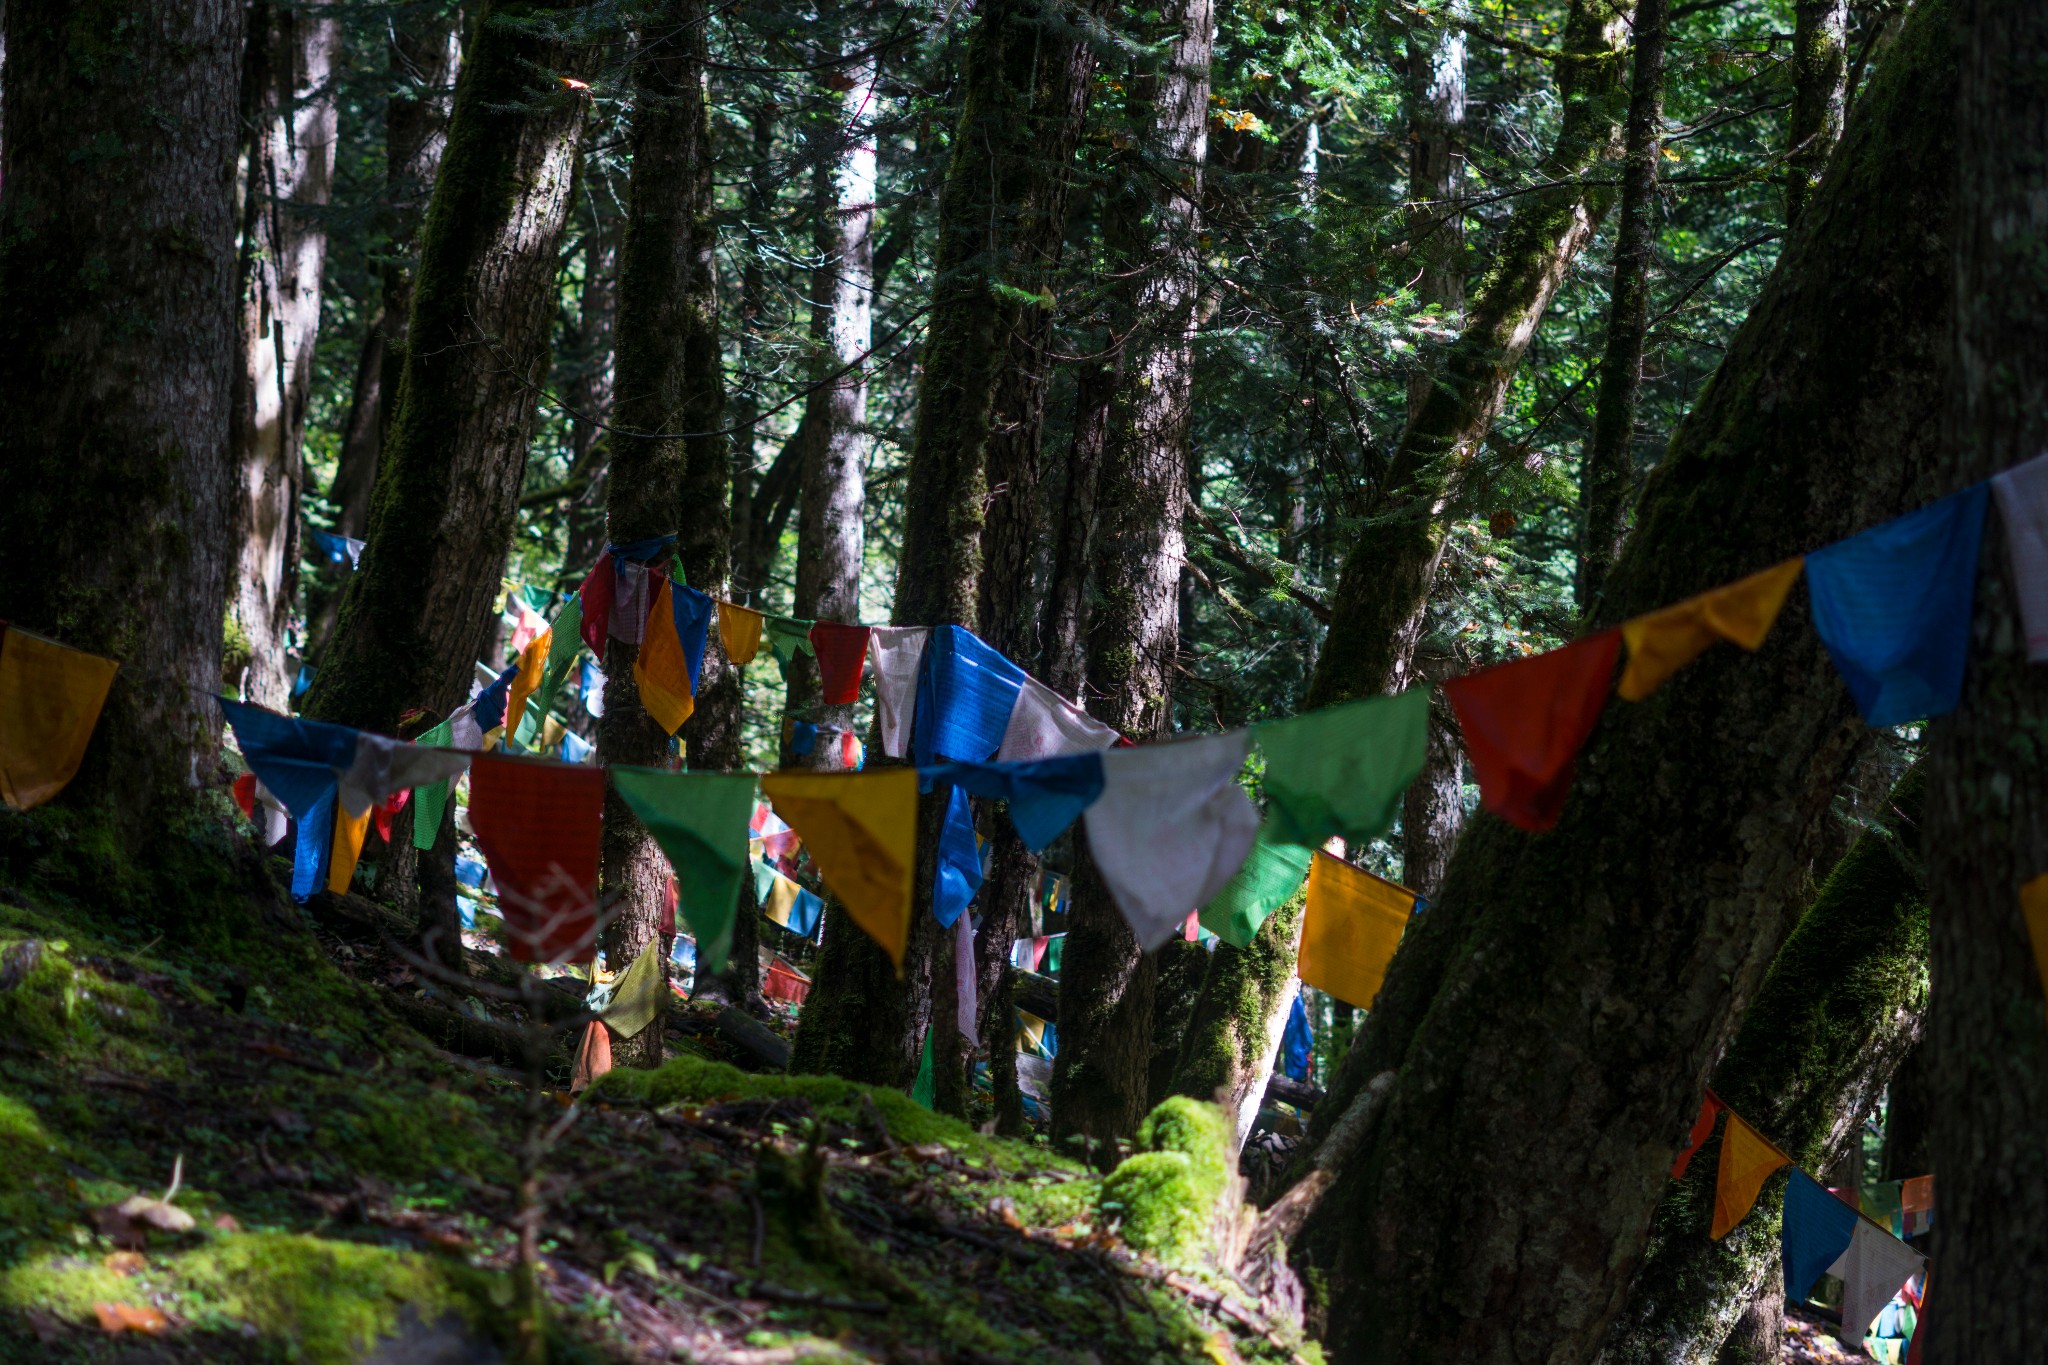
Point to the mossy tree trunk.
(1433, 807)
(288, 99)
(477, 350)
(117, 343)
(592, 371)
(1375, 612)
(1001, 219)
(1987, 825)
(1436, 161)
(1841, 1006)
(1820, 95)
(1238, 1021)
(1559, 1007)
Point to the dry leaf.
(125, 1263)
(160, 1214)
(126, 1317)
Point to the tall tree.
(1133, 631)
(1559, 1007)
(1987, 823)
(1436, 161)
(416, 610)
(117, 343)
(288, 123)
(1820, 94)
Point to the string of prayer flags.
(842, 650)
(662, 667)
(2023, 505)
(957, 876)
(1893, 607)
(50, 700)
(1044, 724)
(861, 832)
(1342, 770)
(476, 724)
(897, 653)
(1524, 722)
(739, 632)
(1271, 873)
(965, 693)
(1816, 1230)
(1171, 828)
(700, 821)
(1747, 1160)
(1742, 613)
(1702, 1125)
(636, 995)
(539, 826)
(1044, 796)
(1350, 928)
(383, 768)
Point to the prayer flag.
(430, 802)
(593, 689)
(1342, 770)
(593, 1056)
(595, 599)
(382, 768)
(313, 847)
(700, 821)
(50, 701)
(1875, 1267)
(788, 638)
(530, 625)
(2023, 504)
(662, 668)
(490, 704)
(779, 900)
(1747, 1160)
(349, 832)
(1171, 828)
(1525, 721)
(693, 611)
(965, 693)
(802, 736)
(1893, 607)
(1916, 1205)
(898, 655)
(632, 599)
(966, 989)
(1702, 1124)
(636, 995)
(739, 630)
(957, 876)
(538, 824)
(532, 666)
(1816, 1231)
(2034, 910)
(1297, 1044)
(1044, 796)
(841, 650)
(1271, 873)
(300, 761)
(1044, 724)
(805, 913)
(1349, 930)
(861, 831)
(1662, 642)
(575, 748)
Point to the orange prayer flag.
(349, 831)
(1662, 642)
(50, 700)
(662, 671)
(739, 630)
(1350, 928)
(1747, 1160)
(2034, 909)
(861, 831)
(593, 1056)
(533, 664)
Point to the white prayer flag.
(896, 652)
(1170, 828)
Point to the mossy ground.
(349, 1180)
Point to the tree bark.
(751, 553)
(1375, 613)
(1988, 802)
(1820, 95)
(1240, 1017)
(590, 386)
(362, 435)
(1436, 156)
(1099, 1074)
(1607, 475)
(448, 489)
(424, 62)
(1842, 1005)
(288, 101)
(117, 343)
(1433, 807)
(1559, 1006)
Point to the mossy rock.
(1166, 1196)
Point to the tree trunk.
(750, 554)
(1607, 475)
(1820, 94)
(1099, 1074)
(362, 434)
(1376, 611)
(1988, 802)
(589, 388)
(1558, 1008)
(424, 60)
(1842, 1005)
(1436, 156)
(1433, 807)
(448, 489)
(288, 169)
(1235, 1033)
(117, 342)
(1001, 220)
(1758, 1337)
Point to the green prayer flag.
(636, 995)
(430, 803)
(1342, 770)
(786, 638)
(924, 1089)
(1271, 874)
(563, 648)
(700, 821)
(764, 881)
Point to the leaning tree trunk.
(288, 98)
(1988, 801)
(1001, 214)
(1376, 611)
(1240, 1017)
(1842, 1005)
(477, 351)
(117, 342)
(1133, 632)
(1607, 474)
(1820, 95)
(659, 342)
(1558, 1009)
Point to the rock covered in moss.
(1167, 1195)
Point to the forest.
(1023, 680)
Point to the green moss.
(31, 1177)
(414, 1134)
(1165, 1197)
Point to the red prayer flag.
(596, 594)
(842, 650)
(538, 824)
(384, 811)
(1701, 1126)
(245, 794)
(1525, 722)
(669, 898)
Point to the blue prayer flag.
(1816, 1230)
(1893, 606)
(694, 613)
(805, 913)
(575, 748)
(1045, 795)
(1297, 1043)
(489, 706)
(316, 843)
(300, 761)
(641, 551)
(958, 876)
(965, 693)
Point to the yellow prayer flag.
(1349, 929)
(1662, 642)
(636, 999)
(349, 831)
(551, 732)
(661, 671)
(781, 900)
(2034, 908)
(50, 700)
(739, 630)
(533, 661)
(1747, 1160)
(861, 831)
